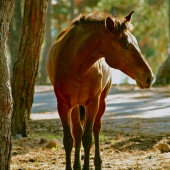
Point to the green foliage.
(37, 163)
(61, 7)
(103, 138)
(55, 148)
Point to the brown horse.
(82, 79)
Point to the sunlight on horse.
(77, 65)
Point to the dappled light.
(125, 104)
(123, 101)
(129, 109)
(137, 104)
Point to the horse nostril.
(148, 80)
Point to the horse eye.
(125, 45)
(124, 42)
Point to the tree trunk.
(48, 43)
(15, 31)
(6, 104)
(71, 9)
(26, 66)
(163, 75)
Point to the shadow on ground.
(129, 109)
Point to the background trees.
(6, 8)
(26, 66)
(15, 30)
(48, 42)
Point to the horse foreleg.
(91, 110)
(64, 113)
(77, 134)
(96, 132)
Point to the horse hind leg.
(96, 132)
(64, 113)
(77, 134)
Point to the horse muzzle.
(145, 84)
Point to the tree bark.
(6, 104)
(26, 66)
(48, 43)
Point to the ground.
(135, 123)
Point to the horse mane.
(89, 18)
(96, 17)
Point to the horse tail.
(82, 112)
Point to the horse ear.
(109, 24)
(128, 18)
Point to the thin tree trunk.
(26, 66)
(71, 9)
(48, 43)
(15, 31)
(6, 104)
(163, 75)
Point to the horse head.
(122, 51)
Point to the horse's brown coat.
(80, 76)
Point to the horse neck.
(89, 49)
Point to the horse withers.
(77, 66)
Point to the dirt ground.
(135, 132)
